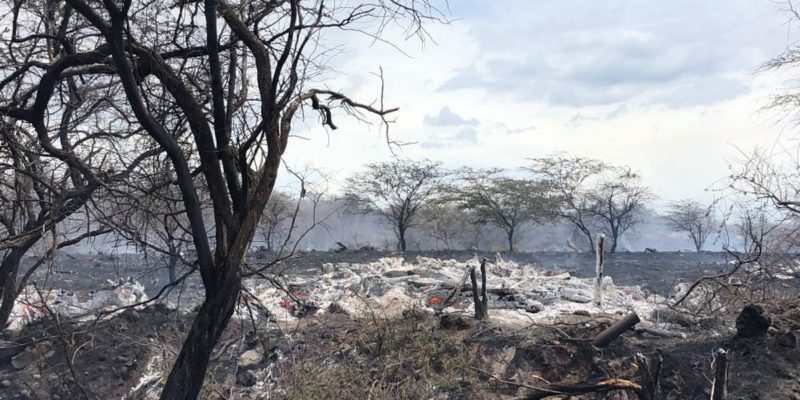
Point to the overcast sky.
(666, 87)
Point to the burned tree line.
(588, 194)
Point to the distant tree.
(396, 191)
(505, 202)
(572, 180)
(592, 195)
(618, 201)
(449, 226)
(693, 218)
(147, 211)
(275, 222)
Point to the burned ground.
(405, 358)
(658, 272)
(413, 354)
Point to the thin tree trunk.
(186, 377)
(511, 240)
(401, 236)
(172, 262)
(173, 267)
(588, 235)
(615, 237)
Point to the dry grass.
(380, 359)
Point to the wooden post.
(719, 389)
(605, 337)
(598, 282)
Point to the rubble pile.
(518, 293)
(389, 286)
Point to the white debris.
(388, 286)
(34, 303)
(153, 373)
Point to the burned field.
(367, 324)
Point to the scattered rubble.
(250, 358)
(34, 303)
(31, 355)
(517, 293)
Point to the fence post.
(598, 283)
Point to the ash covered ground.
(329, 322)
(658, 272)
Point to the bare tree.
(212, 85)
(273, 228)
(505, 202)
(49, 162)
(618, 201)
(693, 218)
(572, 179)
(396, 191)
(451, 227)
(148, 212)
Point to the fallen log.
(605, 337)
(559, 389)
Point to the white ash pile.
(34, 303)
(387, 287)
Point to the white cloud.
(664, 87)
(446, 117)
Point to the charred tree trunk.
(649, 375)
(186, 377)
(482, 302)
(401, 237)
(719, 389)
(9, 268)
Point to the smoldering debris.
(518, 294)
